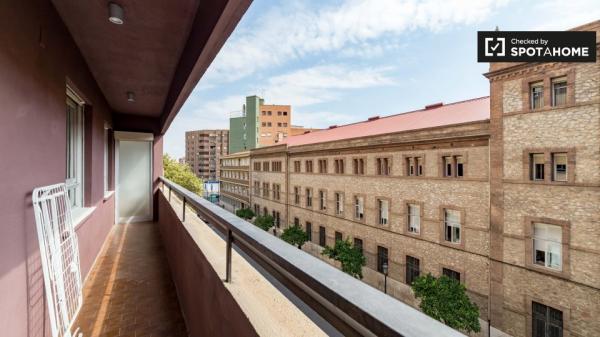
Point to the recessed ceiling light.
(115, 13)
(130, 97)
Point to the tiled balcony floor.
(129, 291)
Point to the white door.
(134, 177)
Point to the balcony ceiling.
(159, 53)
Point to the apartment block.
(235, 181)
(275, 123)
(501, 193)
(203, 151)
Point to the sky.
(342, 61)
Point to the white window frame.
(414, 218)
(555, 164)
(559, 83)
(339, 203)
(384, 211)
(534, 170)
(533, 94)
(548, 245)
(322, 200)
(455, 226)
(107, 129)
(359, 207)
(75, 150)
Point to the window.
(75, 130)
(309, 197)
(459, 166)
(559, 166)
(559, 91)
(264, 113)
(322, 236)
(547, 245)
(537, 166)
(278, 113)
(279, 123)
(358, 165)
(277, 218)
(412, 269)
(414, 218)
(297, 166)
(537, 95)
(265, 211)
(322, 200)
(269, 113)
(339, 203)
(256, 209)
(257, 188)
(285, 113)
(264, 124)
(297, 195)
(276, 191)
(410, 164)
(296, 221)
(339, 166)
(359, 206)
(447, 166)
(265, 189)
(419, 166)
(383, 208)
(322, 165)
(309, 230)
(269, 124)
(276, 166)
(546, 321)
(256, 166)
(382, 258)
(452, 274)
(452, 225)
(338, 236)
(358, 243)
(383, 166)
(266, 166)
(309, 166)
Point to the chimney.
(434, 105)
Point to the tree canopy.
(245, 213)
(181, 174)
(264, 221)
(294, 235)
(445, 299)
(351, 257)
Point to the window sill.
(108, 195)
(80, 214)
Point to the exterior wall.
(235, 181)
(279, 117)
(204, 149)
(574, 204)
(38, 60)
(269, 202)
(236, 135)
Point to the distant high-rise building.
(203, 150)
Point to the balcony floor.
(129, 291)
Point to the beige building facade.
(235, 181)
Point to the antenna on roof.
(497, 29)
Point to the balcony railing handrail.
(349, 304)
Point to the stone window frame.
(276, 191)
(342, 202)
(546, 79)
(389, 217)
(390, 160)
(323, 169)
(463, 226)
(354, 237)
(298, 168)
(407, 214)
(265, 191)
(364, 159)
(312, 166)
(405, 159)
(312, 197)
(548, 165)
(364, 196)
(404, 265)
(462, 271)
(343, 167)
(299, 195)
(335, 233)
(454, 154)
(528, 310)
(257, 189)
(325, 203)
(528, 224)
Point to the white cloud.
(563, 15)
(284, 34)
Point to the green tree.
(445, 299)
(181, 174)
(351, 257)
(245, 213)
(294, 235)
(264, 221)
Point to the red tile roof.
(476, 109)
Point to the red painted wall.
(37, 59)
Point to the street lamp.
(384, 268)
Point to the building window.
(256, 166)
(285, 113)
(309, 166)
(277, 218)
(264, 113)
(322, 200)
(452, 274)
(419, 161)
(382, 258)
(452, 225)
(358, 165)
(537, 166)
(265, 211)
(265, 189)
(297, 166)
(266, 166)
(279, 123)
(458, 160)
(338, 236)
(296, 195)
(547, 245)
(412, 269)
(276, 191)
(264, 124)
(358, 244)
(537, 95)
(256, 209)
(269, 124)
(309, 231)
(322, 165)
(359, 207)
(276, 166)
(75, 151)
(559, 91)
(447, 166)
(559, 166)
(309, 197)
(383, 208)
(257, 188)
(546, 321)
(322, 236)
(339, 166)
(414, 218)
(296, 221)
(339, 203)
(410, 164)
(383, 166)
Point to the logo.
(495, 46)
(508, 46)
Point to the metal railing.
(348, 304)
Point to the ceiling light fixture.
(115, 13)
(130, 97)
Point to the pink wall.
(37, 58)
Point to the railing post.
(184, 201)
(228, 256)
(170, 193)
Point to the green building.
(243, 131)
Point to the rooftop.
(434, 115)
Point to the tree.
(351, 257)
(445, 299)
(181, 174)
(264, 221)
(294, 235)
(245, 213)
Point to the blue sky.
(340, 61)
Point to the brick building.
(203, 150)
(235, 181)
(501, 193)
